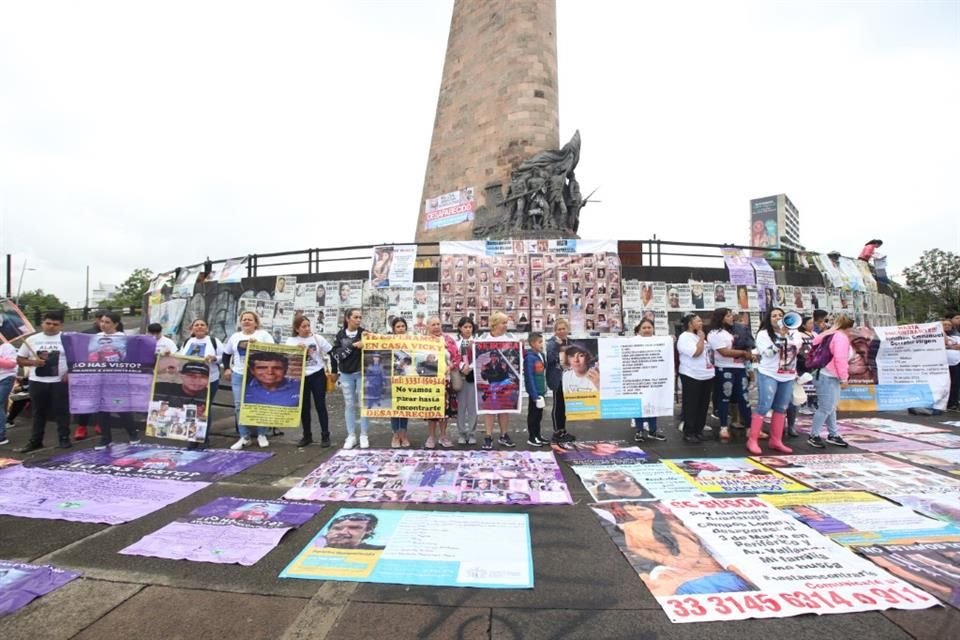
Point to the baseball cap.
(195, 367)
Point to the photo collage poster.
(415, 305)
(473, 286)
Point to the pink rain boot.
(756, 425)
(776, 433)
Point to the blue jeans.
(236, 382)
(6, 386)
(828, 397)
(731, 388)
(774, 394)
(350, 385)
(398, 424)
(651, 424)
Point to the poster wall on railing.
(392, 266)
(897, 368)
(403, 377)
(232, 271)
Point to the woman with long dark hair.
(314, 381)
(646, 329)
(730, 381)
(234, 356)
(696, 377)
(346, 361)
(778, 348)
(467, 396)
(111, 328)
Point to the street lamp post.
(20, 283)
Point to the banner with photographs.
(733, 475)
(871, 472)
(109, 372)
(629, 482)
(450, 208)
(180, 399)
(419, 475)
(498, 371)
(472, 286)
(393, 265)
(169, 314)
(929, 566)
(232, 272)
(13, 324)
(430, 548)
(185, 283)
(225, 531)
(403, 376)
(415, 305)
(858, 518)
(897, 368)
(947, 460)
(272, 385)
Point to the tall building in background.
(774, 222)
(498, 106)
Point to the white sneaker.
(633, 422)
(350, 442)
(263, 442)
(240, 444)
(472, 440)
(364, 442)
(461, 440)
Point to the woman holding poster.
(314, 381)
(202, 345)
(110, 347)
(452, 354)
(696, 377)
(646, 329)
(778, 348)
(399, 425)
(497, 372)
(731, 377)
(467, 396)
(235, 358)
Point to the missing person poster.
(897, 368)
(13, 324)
(272, 385)
(929, 566)
(498, 370)
(392, 266)
(180, 399)
(431, 548)
(403, 377)
(733, 475)
(109, 372)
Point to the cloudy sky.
(140, 134)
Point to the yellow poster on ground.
(403, 377)
(272, 385)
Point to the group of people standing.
(718, 362)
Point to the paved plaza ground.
(584, 586)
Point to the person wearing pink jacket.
(830, 380)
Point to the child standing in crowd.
(830, 380)
(399, 425)
(235, 359)
(535, 380)
(201, 344)
(43, 353)
(346, 361)
(314, 381)
(555, 346)
(646, 329)
(467, 396)
(778, 348)
(164, 344)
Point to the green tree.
(934, 282)
(37, 302)
(131, 292)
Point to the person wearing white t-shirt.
(8, 375)
(164, 344)
(730, 381)
(952, 345)
(314, 381)
(201, 344)
(43, 353)
(778, 349)
(235, 359)
(696, 377)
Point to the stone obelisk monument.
(498, 106)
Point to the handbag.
(331, 382)
(456, 379)
(799, 395)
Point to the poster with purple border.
(151, 461)
(600, 452)
(29, 492)
(226, 531)
(20, 584)
(109, 372)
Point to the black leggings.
(695, 402)
(315, 385)
(559, 412)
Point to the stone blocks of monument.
(498, 106)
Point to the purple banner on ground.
(463, 477)
(20, 583)
(29, 492)
(600, 453)
(109, 372)
(226, 531)
(153, 462)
